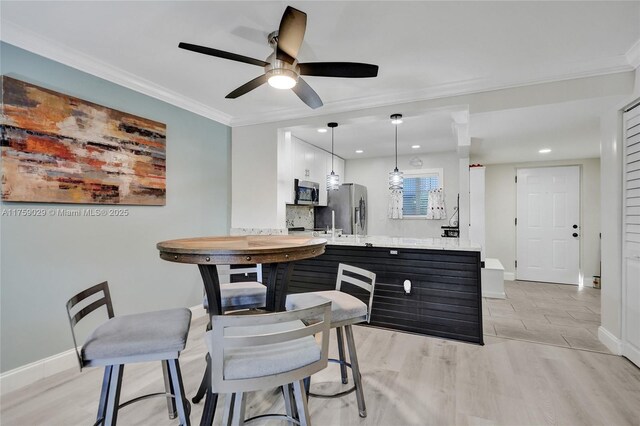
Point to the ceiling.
(375, 135)
(424, 49)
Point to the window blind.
(415, 195)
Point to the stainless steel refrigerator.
(350, 206)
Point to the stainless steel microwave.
(306, 192)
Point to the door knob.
(575, 226)
(575, 234)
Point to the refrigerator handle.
(356, 215)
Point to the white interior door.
(631, 238)
(548, 224)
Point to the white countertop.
(402, 242)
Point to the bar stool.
(346, 310)
(242, 294)
(264, 351)
(235, 296)
(150, 336)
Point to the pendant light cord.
(332, 150)
(396, 148)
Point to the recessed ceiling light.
(544, 151)
(415, 146)
(322, 130)
(359, 151)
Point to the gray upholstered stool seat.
(275, 358)
(149, 336)
(250, 293)
(344, 307)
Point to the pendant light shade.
(396, 180)
(333, 180)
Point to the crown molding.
(612, 66)
(28, 40)
(25, 39)
(633, 55)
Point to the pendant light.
(333, 180)
(396, 180)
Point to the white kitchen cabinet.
(307, 162)
(303, 160)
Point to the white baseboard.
(509, 276)
(30, 373)
(197, 311)
(493, 295)
(38, 370)
(610, 341)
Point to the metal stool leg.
(228, 409)
(289, 401)
(204, 384)
(301, 403)
(343, 368)
(182, 404)
(113, 401)
(355, 370)
(209, 411)
(104, 393)
(238, 409)
(168, 387)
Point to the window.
(415, 195)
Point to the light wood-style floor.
(408, 379)
(555, 314)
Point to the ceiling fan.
(282, 69)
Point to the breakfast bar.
(425, 286)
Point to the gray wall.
(374, 174)
(46, 260)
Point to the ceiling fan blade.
(338, 69)
(290, 34)
(247, 87)
(307, 94)
(222, 54)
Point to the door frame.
(626, 349)
(580, 215)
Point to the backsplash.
(256, 231)
(300, 216)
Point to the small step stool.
(493, 279)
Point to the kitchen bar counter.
(442, 275)
(403, 242)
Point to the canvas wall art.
(61, 149)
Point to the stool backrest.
(305, 323)
(225, 272)
(354, 275)
(76, 313)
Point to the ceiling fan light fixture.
(281, 78)
(396, 119)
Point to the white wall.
(610, 331)
(500, 212)
(254, 180)
(374, 174)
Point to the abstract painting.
(61, 149)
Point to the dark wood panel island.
(444, 298)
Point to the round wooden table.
(276, 252)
